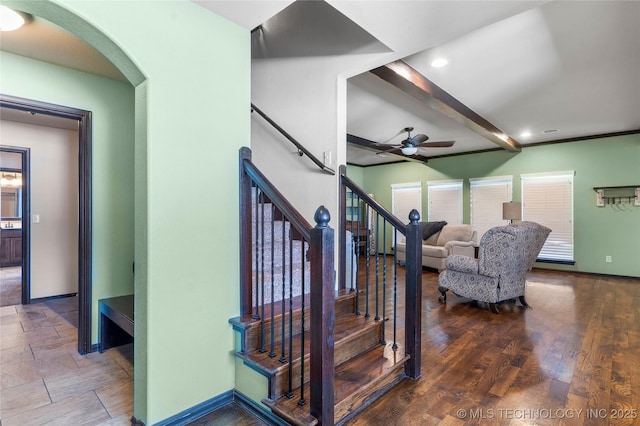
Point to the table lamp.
(512, 211)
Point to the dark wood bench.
(116, 321)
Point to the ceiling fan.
(410, 145)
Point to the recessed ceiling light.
(525, 134)
(439, 62)
(10, 19)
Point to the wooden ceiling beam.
(404, 77)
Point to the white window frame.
(445, 200)
(485, 199)
(547, 198)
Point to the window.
(547, 198)
(445, 201)
(404, 198)
(487, 196)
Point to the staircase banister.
(278, 200)
(377, 207)
(291, 139)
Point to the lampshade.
(511, 211)
(409, 150)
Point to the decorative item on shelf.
(511, 211)
(617, 196)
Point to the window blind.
(445, 201)
(404, 198)
(487, 196)
(547, 198)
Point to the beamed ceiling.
(518, 73)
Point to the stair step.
(353, 335)
(358, 382)
(251, 328)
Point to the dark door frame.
(84, 205)
(25, 162)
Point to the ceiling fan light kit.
(409, 150)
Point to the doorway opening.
(14, 224)
(83, 118)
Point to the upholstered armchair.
(505, 255)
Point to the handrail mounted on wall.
(301, 149)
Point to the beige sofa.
(452, 239)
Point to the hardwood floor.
(43, 379)
(572, 359)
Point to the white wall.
(54, 197)
(298, 79)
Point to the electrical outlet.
(608, 259)
(36, 218)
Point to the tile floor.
(43, 379)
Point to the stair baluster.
(272, 352)
(289, 393)
(262, 304)
(301, 379)
(283, 358)
(377, 317)
(383, 340)
(302, 401)
(256, 314)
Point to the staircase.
(322, 350)
(364, 367)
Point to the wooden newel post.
(413, 293)
(322, 366)
(246, 290)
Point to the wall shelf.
(627, 194)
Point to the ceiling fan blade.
(420, 138)
(439, 144)
(388, 148)
(391, 151)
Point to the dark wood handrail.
(377, 207)
(291, 139)
(278, 200)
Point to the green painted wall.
(111, 103)
(598, 231)
(356, 174)
(191, 73)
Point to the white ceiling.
(559, 71)
(569, 67)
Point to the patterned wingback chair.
(505, 255)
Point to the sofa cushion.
(455, 233)
(432, 240)
(434, 251)
(430, 228)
